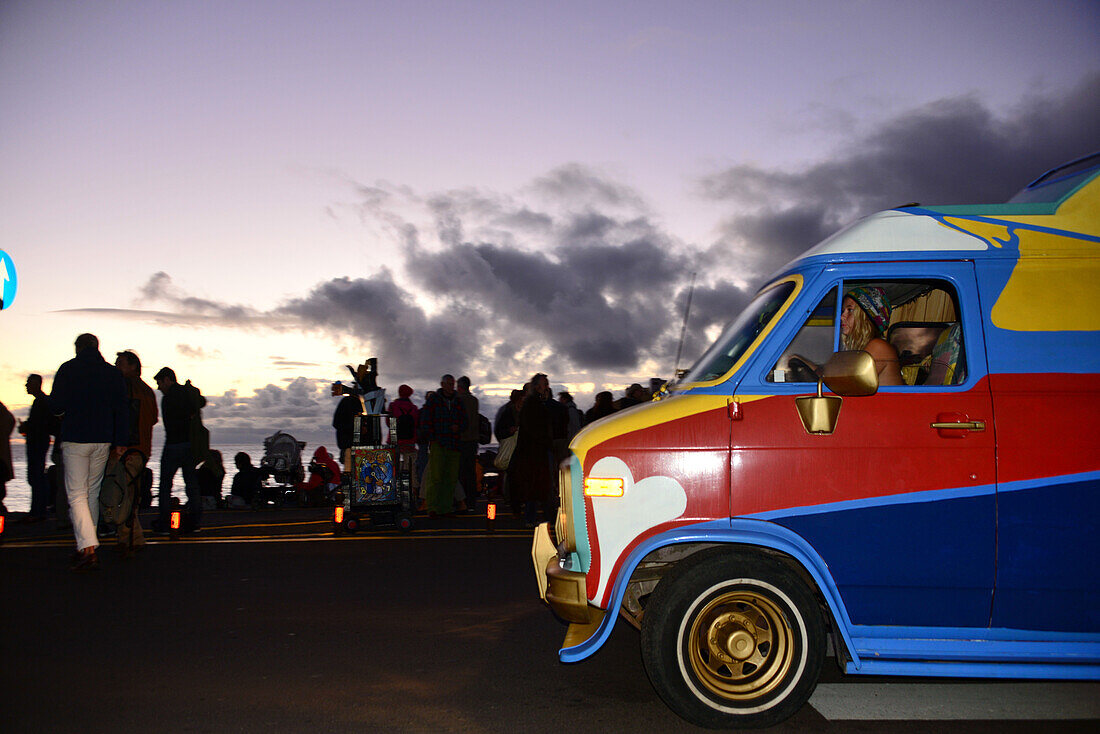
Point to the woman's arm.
(886, 362)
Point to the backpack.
(117, 493)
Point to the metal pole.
(683, 329)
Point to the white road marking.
(1025, 701)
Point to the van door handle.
(965, 425)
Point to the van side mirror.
(850, 374)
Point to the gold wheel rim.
(740, 646)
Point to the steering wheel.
(799, 370)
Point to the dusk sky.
(258, 193)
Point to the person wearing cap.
(864, 319)
(407, 416)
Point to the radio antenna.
(683, 329)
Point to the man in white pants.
(91, 397)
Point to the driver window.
(914, 325)
(811, 346)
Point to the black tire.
(733, 640)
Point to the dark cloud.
(712, 305)
(160, 288)
(303, 408)
(379, 311)
(577, 185)
(595, 292)
(954, 151)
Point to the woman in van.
(864, 318)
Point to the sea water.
(18, 497)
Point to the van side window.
(810, 347)
(918, 318)
(926, 331)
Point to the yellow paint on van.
(644, 416)
(1053, 286)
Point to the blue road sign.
(8, 281)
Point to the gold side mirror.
(819, 412)
(846, 373)
(851, 374)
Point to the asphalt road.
(281, 629)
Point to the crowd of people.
(440, 442)
(98, 414)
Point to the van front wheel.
(733, 640)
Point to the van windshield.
(740, 334)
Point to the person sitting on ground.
(246, 483)
(324, 476)
(211, 474)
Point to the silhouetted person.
(91, 395)
(343, 420)
(246, 483)
(576, 420)
(604, 406)
(530, 468)
(211, 474)
(179, 406)
(324, 475)
(506, 424)
(467, 444)
(36, 432)
(139, 444)
(407, 418)
(441, 424)
(7, 469)
(633, 396)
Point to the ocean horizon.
(18, 497)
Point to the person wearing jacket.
(407, 417)
(324, 474)
(92, 396)
(139, 443)
(180, 406)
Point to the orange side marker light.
(491, 516)
(604, 487)
(338, 515)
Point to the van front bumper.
(565, 591)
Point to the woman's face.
(847, 315)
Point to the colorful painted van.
(944, 525)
